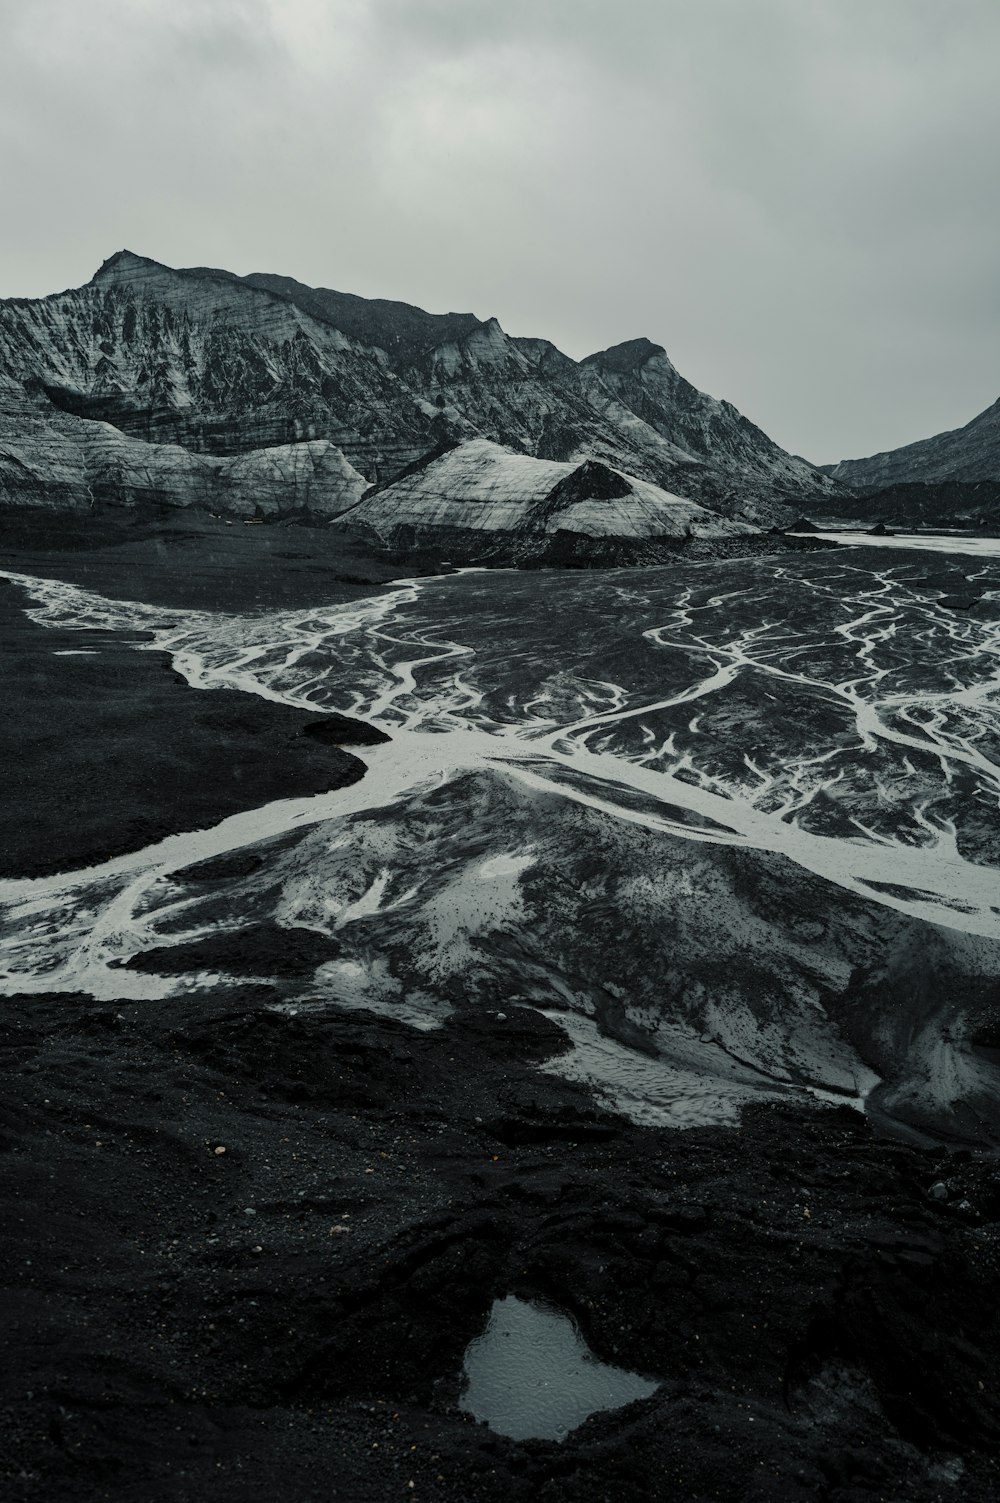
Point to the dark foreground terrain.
(244, 1252)
(107, 750)
(245, 1238)
(192, 561)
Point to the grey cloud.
(794, 196)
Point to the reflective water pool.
(532, 1376)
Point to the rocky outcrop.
(946, 503)
(147, 381)
(49, 458)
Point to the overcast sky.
(798, 198)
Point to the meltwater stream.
(601, 752)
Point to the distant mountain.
(962, 455)
(739, 455)
(259, 395)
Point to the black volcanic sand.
(108, 750)
(287, 1319)
(192, 561)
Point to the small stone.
(220, 1149)
(938, 1191)
(249, 1211)
(501, 1017)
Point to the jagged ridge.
(197, 367)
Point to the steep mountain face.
(199, 387)
(737, 454)
(198, 360)
(481, 487)
(963, 454)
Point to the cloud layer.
(796, 197)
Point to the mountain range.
(258, 396)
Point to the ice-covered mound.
(53, 458)
(484, 487)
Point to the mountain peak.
(630, 355)
(123, 261)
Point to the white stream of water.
(395, 661)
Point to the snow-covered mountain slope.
(51, 458)
(213, 366)
(480, 486)
(199, 360)
(962, 454)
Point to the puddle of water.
(532, 1376)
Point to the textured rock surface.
(741, 458)
(963, 454)
(259, 394)
(50, 458)
(482, 486)
(287, 1319)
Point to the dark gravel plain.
(287, 1318)
(107, 749)
(191, 561)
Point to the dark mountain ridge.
(960, 504)
(259, 395)
(967, 454)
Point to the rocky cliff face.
(735, 456)
(259, 394)
(963, 455)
